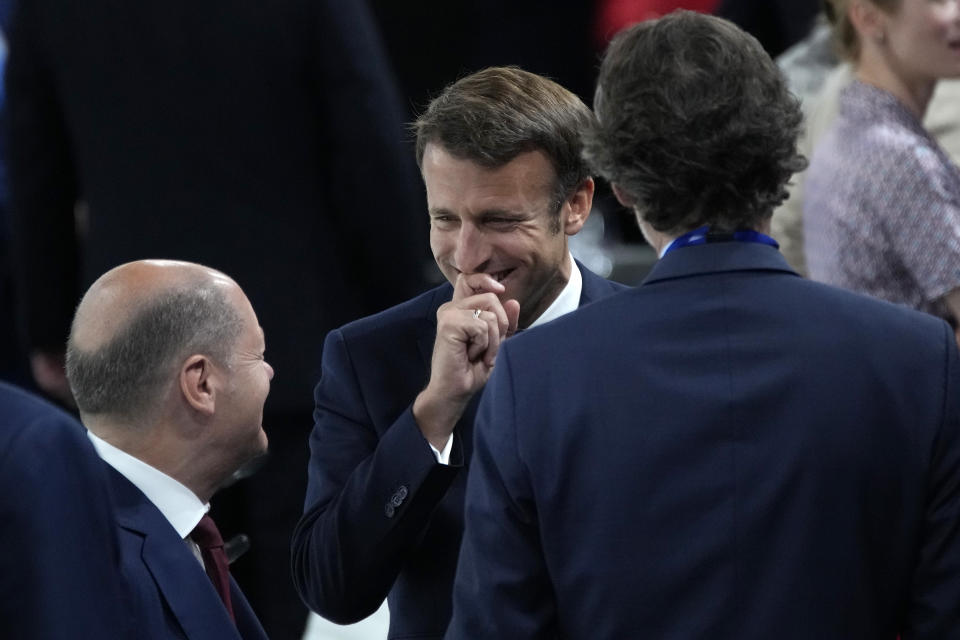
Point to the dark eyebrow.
(486, 213)
(502, 213)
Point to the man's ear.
(198, 383)
(578, 207)
(623, 197)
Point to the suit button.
(389, 510)
(396, 500)
(402, 491)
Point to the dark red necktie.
(207, 537)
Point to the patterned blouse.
(882, 208)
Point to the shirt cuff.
(443, 457)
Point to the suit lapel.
(428, 328)
(247, 622)
(179, 577)
(186, 587)
(594, 287)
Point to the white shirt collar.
(567, 301)
(666, 248)
(178, 504)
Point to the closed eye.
(444, 221)
(501, 224)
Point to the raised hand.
(470, 329)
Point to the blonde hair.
(845, 36)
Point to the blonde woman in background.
(882, 199)
(817, 76)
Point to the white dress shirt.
(666, 248)
(178, 504)
(568, 300)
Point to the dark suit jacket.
(265, 139)
(172, 597)
(727, 451)
(381, 514)
(56, 526)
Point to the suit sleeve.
(59, 573)
(369, 497)
(502, 588)
(934, 609)
(43, 186)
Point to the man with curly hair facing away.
(728, 450)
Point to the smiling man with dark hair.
(506, 185)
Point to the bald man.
(165, 360)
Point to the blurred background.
(321, 91)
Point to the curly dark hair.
(695, 122)
(494, 115)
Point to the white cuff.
(443, 457)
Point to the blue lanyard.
(703, 235)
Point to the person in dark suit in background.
(59, 568)
(499, 152)
(262, 139)
(728, 450)
(165, 361)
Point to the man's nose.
(473, 249)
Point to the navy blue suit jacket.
(59, 566)
(172, 597)
(382, 516)
(727, 451)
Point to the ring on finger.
(476, 313)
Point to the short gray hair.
(125, 376)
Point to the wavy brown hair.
(695, 122)
(494, 115)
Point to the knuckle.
(442, 309)
(491, 299)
